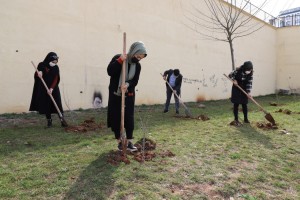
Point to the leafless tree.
(225, 20)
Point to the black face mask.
(134, 60)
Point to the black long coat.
(245, 82)
(40, 100)
(114, 101)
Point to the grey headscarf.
(135, 48)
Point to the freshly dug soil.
(85, 126)
(267, 126)
(141, 155)
(285, 111)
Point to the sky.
(273, 7)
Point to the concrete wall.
(288, 68)
(87, 33)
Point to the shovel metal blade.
(269, 117)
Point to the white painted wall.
(87, 33)
(288, 68)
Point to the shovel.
(268, 116)
(122, 128)
(187, 111)
(61, 117)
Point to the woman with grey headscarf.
(136, 53)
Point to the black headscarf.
(247, 66)
(50, 57)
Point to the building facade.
(290, 17)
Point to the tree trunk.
(232, 54)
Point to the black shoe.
(246, 121)
(177, 111)
(120, 146)
(49, 123)
(131, 147)
(165, 111)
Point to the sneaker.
(165, 111)
(131, 147)
(120, 146)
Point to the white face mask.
(52, 64)
(247, 72)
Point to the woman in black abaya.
(41, 100)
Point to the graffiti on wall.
(211, 81)
(97, 100)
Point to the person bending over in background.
(174, 78)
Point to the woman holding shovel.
(242, 76)
(136, 53)
(41, 101)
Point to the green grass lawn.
(213, 160)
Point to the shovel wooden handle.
(122, 128)
(60, 115)
(123, 92)
(251, 98)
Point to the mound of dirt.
(203, 117)
(273, 104)
(116, 157)
(144, 153)
(285, 111)
(148, 144)
(267, 126)
(85, 126)
(167, 153)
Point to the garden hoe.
(61, 117)
(268, 116)
(187, 111)
(122, 129)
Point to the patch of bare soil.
(266, 126)
(200, 117)
(144, 153)
(167, 153)
(85, 126)
(286, 111)
(275, 104)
